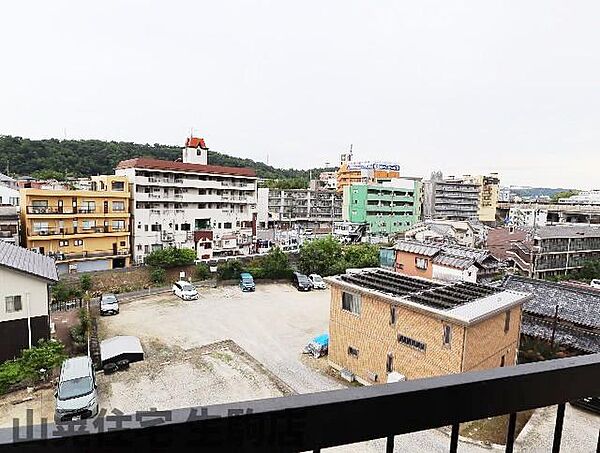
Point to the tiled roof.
(567, 335)
(417, 248)
(456, 262)
(195, 142)
(145, 162)
(21, 259)
(576, 305)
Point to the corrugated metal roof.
(21, 259)
(417, 248)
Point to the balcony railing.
(80, 230)
(327, 419)
(88, 254)
(43, 210)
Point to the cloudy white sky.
(466, 87)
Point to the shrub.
(171, 257)
(11, 373)
(202, 271)
(275, 264)
(158, 275)
(230, 270)
(85, 282)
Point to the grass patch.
(222, 356)
(494, 429)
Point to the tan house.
(383, 322)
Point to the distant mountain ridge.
(91, 157)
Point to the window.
(88, 206)
(139, 247)
(502, 361)
(412, 343)
(389, 363)
(78, 242)
(146, 249)
(421, 263)
(156, 227)
(227, 225)
(186, 227)
(40, 226)
(122, 243)
(145, 227)
(118, 186)
(88, 224)
(507, 321)
(351, 303)
(13, 303)
(118, 225)
(118, 206)
(63, 243)
(353, 352)
(447, 336)
(392, 315)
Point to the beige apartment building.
(382, 322)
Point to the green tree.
(230, 270)
(563, 194)
(202, 271)
(275, 264)
(85, 282)
(589, 271)
(321, 256)
(171, 257)
(361, 255)
(158, 275)
(47, 355)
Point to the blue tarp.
(322, 340)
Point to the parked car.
(318, 346)
(75, 395)
(302, 282)
(247, 282)
(185, 290)
(595, 283)
(590, 403)
(109, 304)
(317, 281)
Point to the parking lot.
(232, 346)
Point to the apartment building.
(382, 322)
(462, 198)
(191, 204)
(303, 209)
(84, 230)
(25, 279)
(365, 173)
(387, 208)
(444, 262)
(9, 224)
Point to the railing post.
(558, 428)
(454, 438)
(510, 434)
(389, 444)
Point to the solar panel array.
(441, 297)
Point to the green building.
(387, 208)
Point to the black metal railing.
(327, 419)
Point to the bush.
(328, 257)
(171, 257)
(46, 356)
(275, 264)
(230, 270)
(158, 275)
(202, 271)
(85, 282)
(79, 333)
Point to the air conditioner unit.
(347, 375)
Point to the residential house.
(459, 232)
(25, 279)
(443, 262)
(383, 322)
(9, 224)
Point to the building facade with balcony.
(173, 201)
(382, 322)
(365, 173)
(386, 208)
(302, 209)
(84, 230)
(9, 224)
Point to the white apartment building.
(191, 204)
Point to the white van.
(185, 290)
(75, 395)
(595, 283)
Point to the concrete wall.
(450, 274)
(406, 264)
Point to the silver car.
(75, 395)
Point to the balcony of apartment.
(89, 255)
(311, 422)
(98, 231)
(58, 211)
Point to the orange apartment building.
(83, 230)
(365, 172)
(382, 322)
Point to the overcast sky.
(465, 87)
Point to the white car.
(185, 290)
(109, 304)
(317, 281)
(595, 283)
